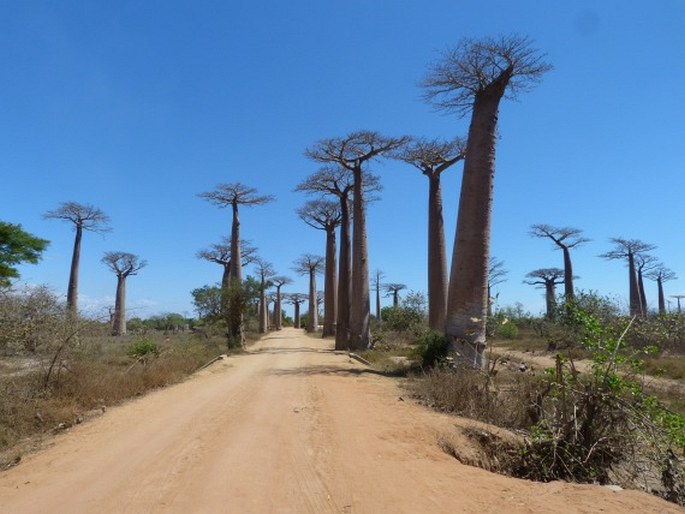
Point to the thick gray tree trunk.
(633, 289)
(278, 310)
(72, 288)
(342, 332)
(296, 321)
(468, 296)
(550, 298)
(569, 293)
(234, 317)
(437, 257)
(313, 318)
(360, 315)
(119, 318)
(662, 302)
(641, 291)
(331, 284)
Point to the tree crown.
(235, 194)
(321, 214)
(433, 156)
(83, 216)
(308, 263)
(475, 65)
(353, 150)
(17, 246)
(562, 237)
(123, 264)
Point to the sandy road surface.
(289, 428)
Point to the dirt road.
(288, 428)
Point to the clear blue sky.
(135, 107)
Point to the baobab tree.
(221, 254)
(296, 300)
(123, 265)
(496, 275)
(393, 290)
(628, 249)
(661, 274)
(678, 297)
(278, 282)
(564, 238)
(310, 265)
(83, 217)
(235, 195)
(377, 276)
(265, 272)
(472, 78)
(339, 182)
(325, 215)
(644, 263)
(353, 153)
(548, 278)
(432, 158)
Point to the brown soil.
(290, 427)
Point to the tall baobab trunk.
(550, 298)
(72, 289)
(379, 315)
(662, 301)
(569, 294)
(633, 288)
(278, 311)
(119, 321)
(360, 315)
(641, 291)
(330, 285)
(437, 257)
(313, 318)
(234, 316)
(468, 297)
(263, 313)
(296, 320)
(342, 332)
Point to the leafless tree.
(235, 195)
(678, 297)
(563, 238)
(296, 300)
(628, 249)
(325, 215)
(644, 263)
(548, 278)
(496, 275)
(661, 274)
(310, 265)
(377, 276)
(123, 265)
(279, 281)
(83, 217)
(393, 290)
(432, 158)
(265, 273)
(353, 153)
(221, 254)
(472, 78)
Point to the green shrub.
(432, 349)
(142, 348)
(508, 330)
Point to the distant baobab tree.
(265, 272)
(123, 265)
(496, 275)
(339, 182)
(644, 263)
(564, 238)
(393, 290)
(678, 297)
(432, 158)
(83, 217)
(628, 249)
(233, 196)
(325, 215)
(548, 278)
(353, 152)
(221, 254)
(296, 300)
(661, 274)
(278, 282)
(310, 265)
(472, 78)
(377, 276)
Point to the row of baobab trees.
(470, 79)
(641, 265)
(87, 218)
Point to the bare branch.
(545, 276)
(475, 65)
(235, 194)
(123, 264)
(81, 215)
(627, 247)
(562, 237)
(352, 151)
(431, 157)
(308, 263)
(321, 214)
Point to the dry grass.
(96, 373)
